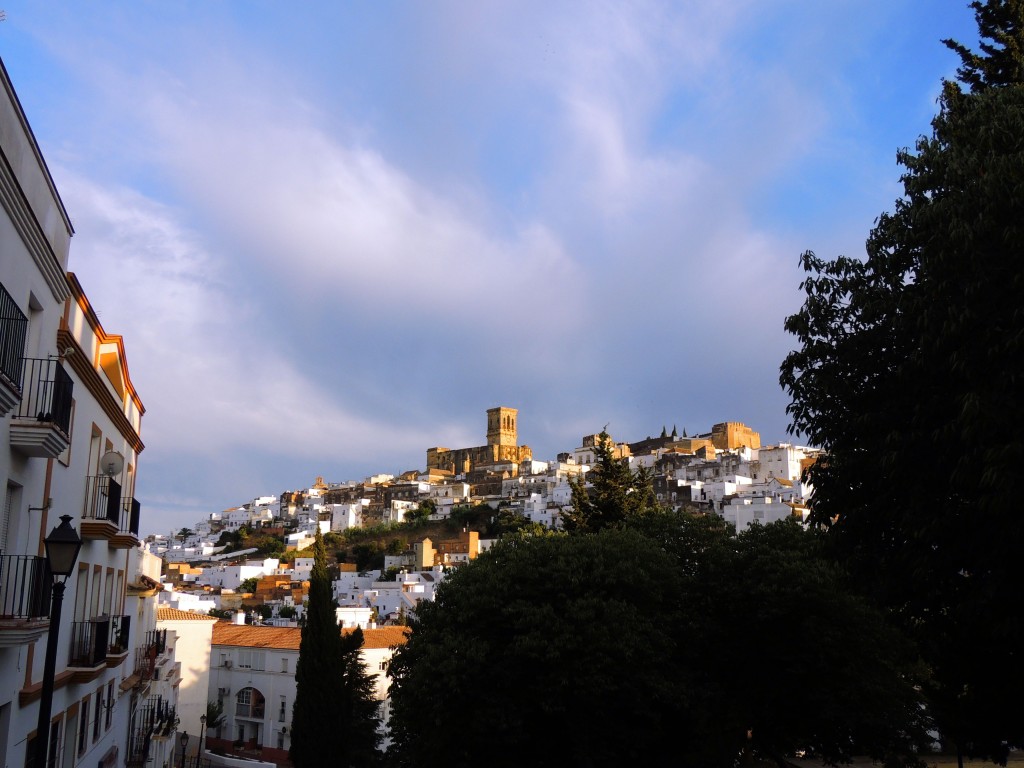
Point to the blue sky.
(334, 234)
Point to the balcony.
(41, 421)
(120, 635)
(127, 535)
(24, 599)
(102, 514)
(90, 643)
(155, 719)
(13, 328)
(148, 652)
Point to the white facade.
(66, 402)
(189, 638)
(253, 675)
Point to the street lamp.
(184, 744)
(62, 548)
(202, 730)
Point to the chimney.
(239, 618)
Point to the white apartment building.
(345, 516)
(253, 676)
(232, 576)
(70, 423)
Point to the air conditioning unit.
(224, 692)
(284, 729)
(228, 663)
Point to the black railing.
(154, 643)
(130, 518)
(13, 329)
(119, 633)
(46, 393)
(89, 642)
(102, 499)
(154, 718)
(157, 638)
(25, 586)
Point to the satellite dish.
(112, 463)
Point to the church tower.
(501, 426)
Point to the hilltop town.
(250, 557)
(398, 537)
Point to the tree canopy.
(670, 636)
(908, 373)
(609, 494)
(550, 651)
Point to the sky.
(333, 234)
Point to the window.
(108, 595)
(11, 502)
(65, 456)
(55, 737)
(282, 710)
(255, 660)
(284, 663)
(97, 585)
(83, 727)
(97, 721)
(109, 711)
(81, 591)
(249, 703)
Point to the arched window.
(250, 703)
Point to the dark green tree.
(775, 628)
(360, 739)
(677, 638)
(551, 650)
(909, 373)
(214, 716)
(615, 492)
(318, 713)
(334, 719)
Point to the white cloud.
(195, 345)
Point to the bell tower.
(501, 426)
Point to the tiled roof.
(287, 638)
(385, 637)
(173, 614)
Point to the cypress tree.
(360, 708)
(319, 674)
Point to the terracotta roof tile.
(173, 614)
(287, 638)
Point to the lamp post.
(62, 547)
(202, 730)
(184, 744)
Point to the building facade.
(252, 675)
(69, 445)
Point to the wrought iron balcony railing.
(89, 642)
(155, 718)
(13, 329)
(146, 655)
(46, 393)
(25, 585)
(120, 627)
(102, 499)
